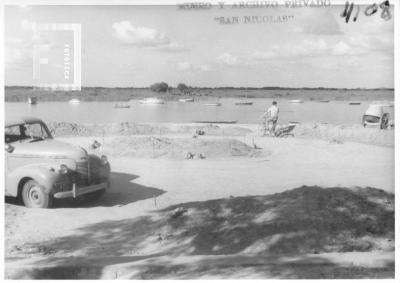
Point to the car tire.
(95, 195)
(385, 122)
(33, 195)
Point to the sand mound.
(343, 133)
(178, 148)
(129, 128)
(303, 220)
(333, 133)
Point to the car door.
(12, 134)
(6, 169)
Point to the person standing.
(272, 117)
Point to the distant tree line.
(159, 87)
(22, 93)
(163, 87)
(99, 88)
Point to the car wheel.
(34, 196)
(95, 195)
(384, 123)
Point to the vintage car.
(377, 115)
(39, 168)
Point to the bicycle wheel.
(262, 130)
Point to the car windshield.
(33, 132)
(371, 119)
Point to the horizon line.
(222, 87)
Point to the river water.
(334, 112)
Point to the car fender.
(44, 174)
(103, 170)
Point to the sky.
(136, 46)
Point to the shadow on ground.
(123, 191)
(306, 220)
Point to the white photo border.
(396, 5)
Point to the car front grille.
(82, 173)
(62, 187)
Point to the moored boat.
(32, 100)
(74, 101)
(244, 103)
(213, 104)
(354, 103)
(295, 101)
(151, 100)
(122, 105)
(217, 122)
(186, 100)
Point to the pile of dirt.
(305, 220)
(178, 148)
(343, 133)
(130, 128)
(302, 220)
(333, 133)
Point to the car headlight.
(63, 169)
(104, 160)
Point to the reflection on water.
(104, 112)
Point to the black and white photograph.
(231, 140)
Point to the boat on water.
(244, 103)
(213, 104)
(74, 101)
(246, 96)
(186, 100)
(296, 101)
(32, 100)
(122, 105)
(324, 101)
(151, 100)
(217, 122)
(354, 103)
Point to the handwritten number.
(356, 16)
(347, 11)
(371, 9)
(385, 6)
(344, 13)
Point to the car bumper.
(78, 191)
(369, 124)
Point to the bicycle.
(264, 130)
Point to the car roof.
(15, 121)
